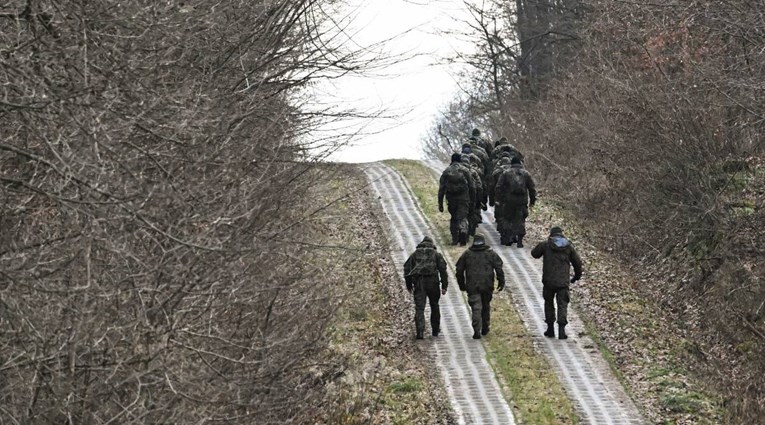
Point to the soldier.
(457, 186)
(421, 272)
(559, 255)
(515, 192)
(475, 135)
(503, 146)
(475, 149)
(476, 269)
(472, 163)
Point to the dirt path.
(597, 395)
(472, 388)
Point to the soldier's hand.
(440, 208)
(443, 291)
(483, 206)
(574, 279)
(491, 203)
(500, 288)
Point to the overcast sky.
(415, 89)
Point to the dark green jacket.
(412, 270)
(476, 269)
(559, 255)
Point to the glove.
(574, 279)
(500, 288)
(440, 207)
(483, 206)
(443, 291)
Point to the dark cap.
(478, 240)
(476, 132)
(556, 231)
(456, 157)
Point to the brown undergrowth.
(387, 378)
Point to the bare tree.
(153, 189)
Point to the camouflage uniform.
(471, 162)
(458, 202)
(481, 141)
(514, 206)
(476, 269)
(511, 150)
(485, 161)
(559, 255)
(421, 272)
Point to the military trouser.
(427, 288)
(512, 223)
(473, 219)
(557, 296)
(480, 307)
(459, 208)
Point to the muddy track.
(596, 393)
(472, 387)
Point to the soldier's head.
(478, 240)
(456, 157)
(505, 160)
(427, 239)
(466, 148)
(476, 132)
(503, 140)
(556, 230)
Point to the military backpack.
(516, 181)
(455, 180)
(424, 260)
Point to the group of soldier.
(481, 175)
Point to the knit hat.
(556, 231)
(456, 157)
(476, 132)
(478, 240)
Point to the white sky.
(415, 90)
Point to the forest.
(164, 196)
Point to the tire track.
(596, 393)
(469, 380)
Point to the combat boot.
(550, 332)
(562, 332)
(520, 242)
(485, 330)
(436, 331)
(477, 335)
(420, 335)
(463, 239)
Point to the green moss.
(408, 385)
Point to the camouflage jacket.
(476, 269)
(559, 255)
(414, 268)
